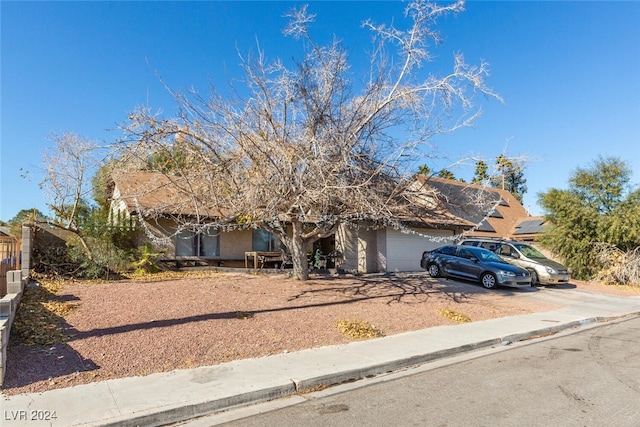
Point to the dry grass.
(358, 329)
(454, 315)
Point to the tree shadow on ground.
(29, 362)
(406, 288)
(391, 288)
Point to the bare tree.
(302, 150)
(66, 183)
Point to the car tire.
(434, 270)
(488, 280)
(534, 278)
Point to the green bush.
(145, 263)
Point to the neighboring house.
(445, 208)
(10, 258)
(9, 246)
(4, 231)
(527, 229)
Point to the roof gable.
(157, 194)
(494, 210)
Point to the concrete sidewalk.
(165, 398)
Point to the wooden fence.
(10, 259)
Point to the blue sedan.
(482, 265)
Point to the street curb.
(306, 384)
(171, 415)
(550, 330)
(186, 412)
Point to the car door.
(446, 259)
(467, 264)
(511, 255)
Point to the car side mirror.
(515, 255)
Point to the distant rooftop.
(530, 226)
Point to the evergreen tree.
(599, 207)
(480, 175)
(446, 174)
(424, 170)
(510, 176)
(25, 215)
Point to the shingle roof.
(458, 204)
(436, 218)
(152, 193)
(496, 210)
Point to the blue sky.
(569, 73)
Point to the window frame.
(197, 241)
(273, 243)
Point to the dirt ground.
(128, 328)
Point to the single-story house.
(453, 208)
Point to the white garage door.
(404, 250)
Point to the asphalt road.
(586, 378)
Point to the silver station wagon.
(544, 271)
(467, 262)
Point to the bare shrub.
(618, 267)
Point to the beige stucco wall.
(347, 245)
(163, 229)
(234, 244)
(359, 248)
(381, 252)
(364, 250)
(367, 251)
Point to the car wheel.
(488, 280)
(434, 270)
(534, 278)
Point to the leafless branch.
(311, 145)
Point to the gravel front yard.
(129, 328)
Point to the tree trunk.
(299, 252)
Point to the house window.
(204, 243)
(263, 241)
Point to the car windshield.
(530, 252)
(488, 256)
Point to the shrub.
(619, 268)
(146, 260)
